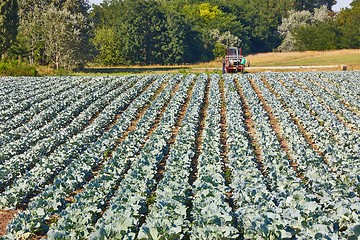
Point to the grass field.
(347, 57)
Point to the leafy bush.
(14, 68)
(62, 72)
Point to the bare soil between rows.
(5, 217)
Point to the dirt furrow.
(297, 122)
(251, 133)
(277, 129)
(151, 196)
(349, 106)
(224, 150)
(131, 128)
(5, 218)
(198, 148)
(23, 204)
(109, 153)
(328, 108)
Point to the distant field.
(348, 57)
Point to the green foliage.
(66, 45)
(264, 19)
(107, 153)
(349, 27)
(300, 20)
(18, 49)
(8, 23)
(62, 72)
(312, 4)
(56, 32)
(143, 32)
(151, 198)
(67, 33)
(219, 49)
(355, 3)
(338, 32)
(106, 42)
(319, 37)
(228, 174)
(209, 12)
(179, 31)
(14, 68)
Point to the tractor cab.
(234, 61)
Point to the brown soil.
(199, 138)
(276, 127)
(162, 164)
(249, 126)
(341, 119)
(5, 217)
(349, 106)
(95, 170)
(224, 150)
(294, 118)
(114, 121)
(223, 133)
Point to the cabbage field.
(181, 156)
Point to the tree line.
(321, 29)
(71, 33)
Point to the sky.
(337, 7)
(340, 4)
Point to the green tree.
(106, 41)
(326, 32)
(355, 3)
(67, 18)
(289, 25)
(181, 43)
(141, 32)
(145, 32)
(297, 19)
(213, 22)
(63, 39)
(263, 19)
(318, 37)
(30, 29)
(173, 31)
(8, 24)
(312, 4)
(348, 21)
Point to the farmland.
(174, 156)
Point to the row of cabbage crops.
(254, 156)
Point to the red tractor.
(234, 61)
